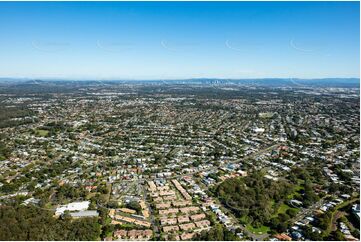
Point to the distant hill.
(264, 82)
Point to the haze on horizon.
(177, 40)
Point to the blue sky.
(173, 40)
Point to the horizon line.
(165, 79)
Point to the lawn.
(90, 195)
(299, 187)
(296, 191)
(42, 132)
(283, 208)
(261, 230)
(48, 205)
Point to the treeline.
(4, 150)
(32, 223)
(8, 116)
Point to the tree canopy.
(32, 223)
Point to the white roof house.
(75, 206)
(258, 130)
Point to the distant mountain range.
(266, 82)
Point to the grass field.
(90, 195)
(260, 230)
(42, 132)
(283, 208)
(296, 191)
